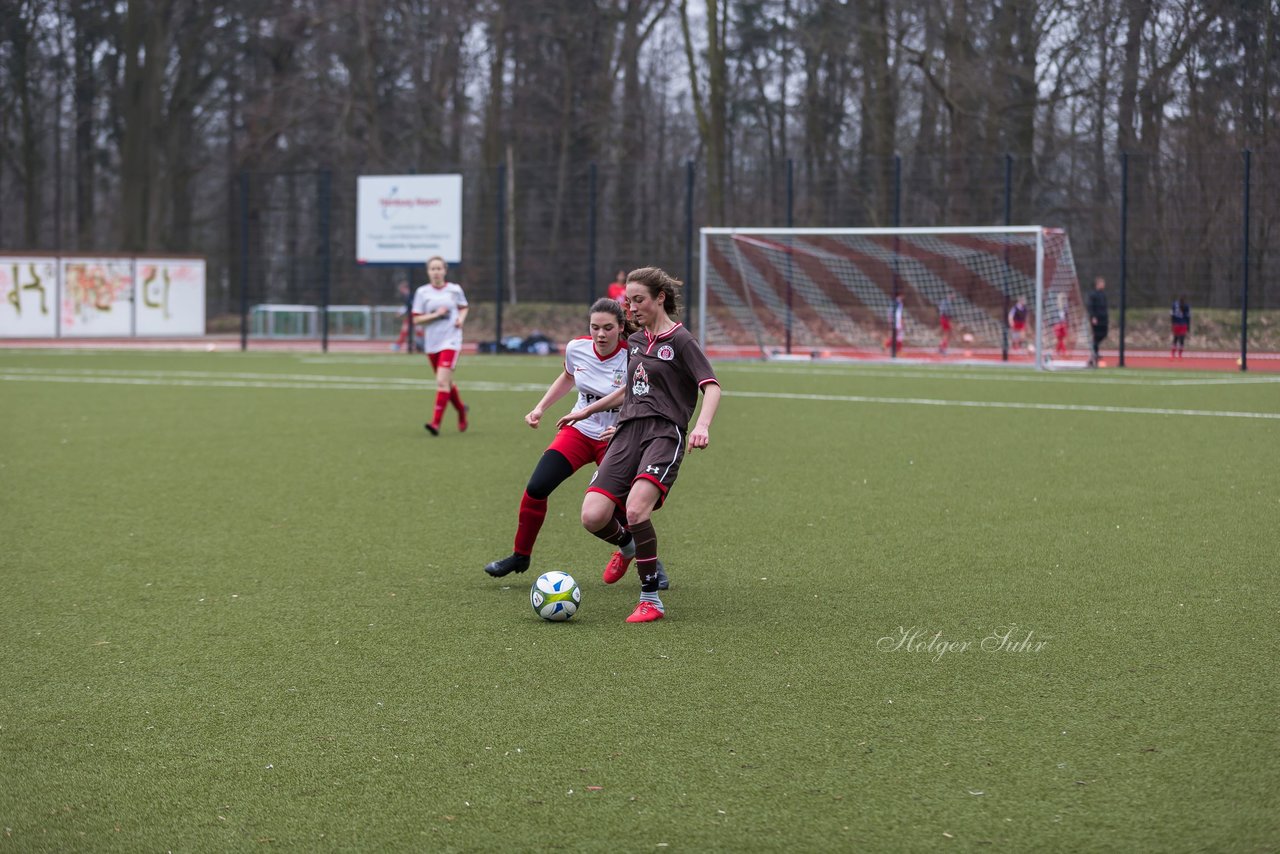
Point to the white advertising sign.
(28, 296)
(169, 294)
(97, 297)
(405, 219)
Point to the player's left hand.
(608, 432)
(573, 417)
(699, 437)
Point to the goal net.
(981, 293)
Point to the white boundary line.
(993, 404)
(197, 379)
(1146, 378)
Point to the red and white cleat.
(616, 569)
(646, 612)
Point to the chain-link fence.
(541, 238)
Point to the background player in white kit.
(441, 307)
(596, 365)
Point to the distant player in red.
(441, 307)
(1017, 324)
(1180, 323)
(618, 288)
(944, 324)
(666, 370)
(595, 365)
(1061, 325)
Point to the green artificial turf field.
(243, 609)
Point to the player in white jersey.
(441, 307)
(595, 365)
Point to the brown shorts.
(642, 449)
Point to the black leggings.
(551, 471)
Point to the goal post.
(1007, 292)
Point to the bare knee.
(636, 515)
(595, 515)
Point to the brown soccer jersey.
(665, 373)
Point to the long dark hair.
(658, 281)
(612, 306)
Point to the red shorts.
(1180, 329)
(1060, 331)
(945, 323)
(443, 359)
(577, 448)
(1018, 325)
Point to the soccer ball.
(555, 596)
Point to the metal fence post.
(1124, 245)
(1008, 220)
(790, 224)
(591, 233)
(502, 257)
(244, 261)
(324, 190)
(688, 235)
(1244, 278)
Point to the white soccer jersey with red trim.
(595, 376)
(440, 334)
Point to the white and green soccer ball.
(555, 596)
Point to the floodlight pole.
(1124, 246)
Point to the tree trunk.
(879, 111)
(22, 72)
(146, 30)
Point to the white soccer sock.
(629, 550)
(652, 599)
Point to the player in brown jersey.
(666, 370)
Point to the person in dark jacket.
(1180, 323)
(1097, 317)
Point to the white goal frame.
(1041, 359)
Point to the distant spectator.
(1017, 323)
(1180, 321)
(944, 323)
(406, 310)
(1098, 317)
(897, 318)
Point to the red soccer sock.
(532, 512)
(442, 400)
(456, 400)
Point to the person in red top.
(666, 371)
(618, 288)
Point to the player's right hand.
(533, 418)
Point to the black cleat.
(663, 582)
(509, 564)
(434, 431)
